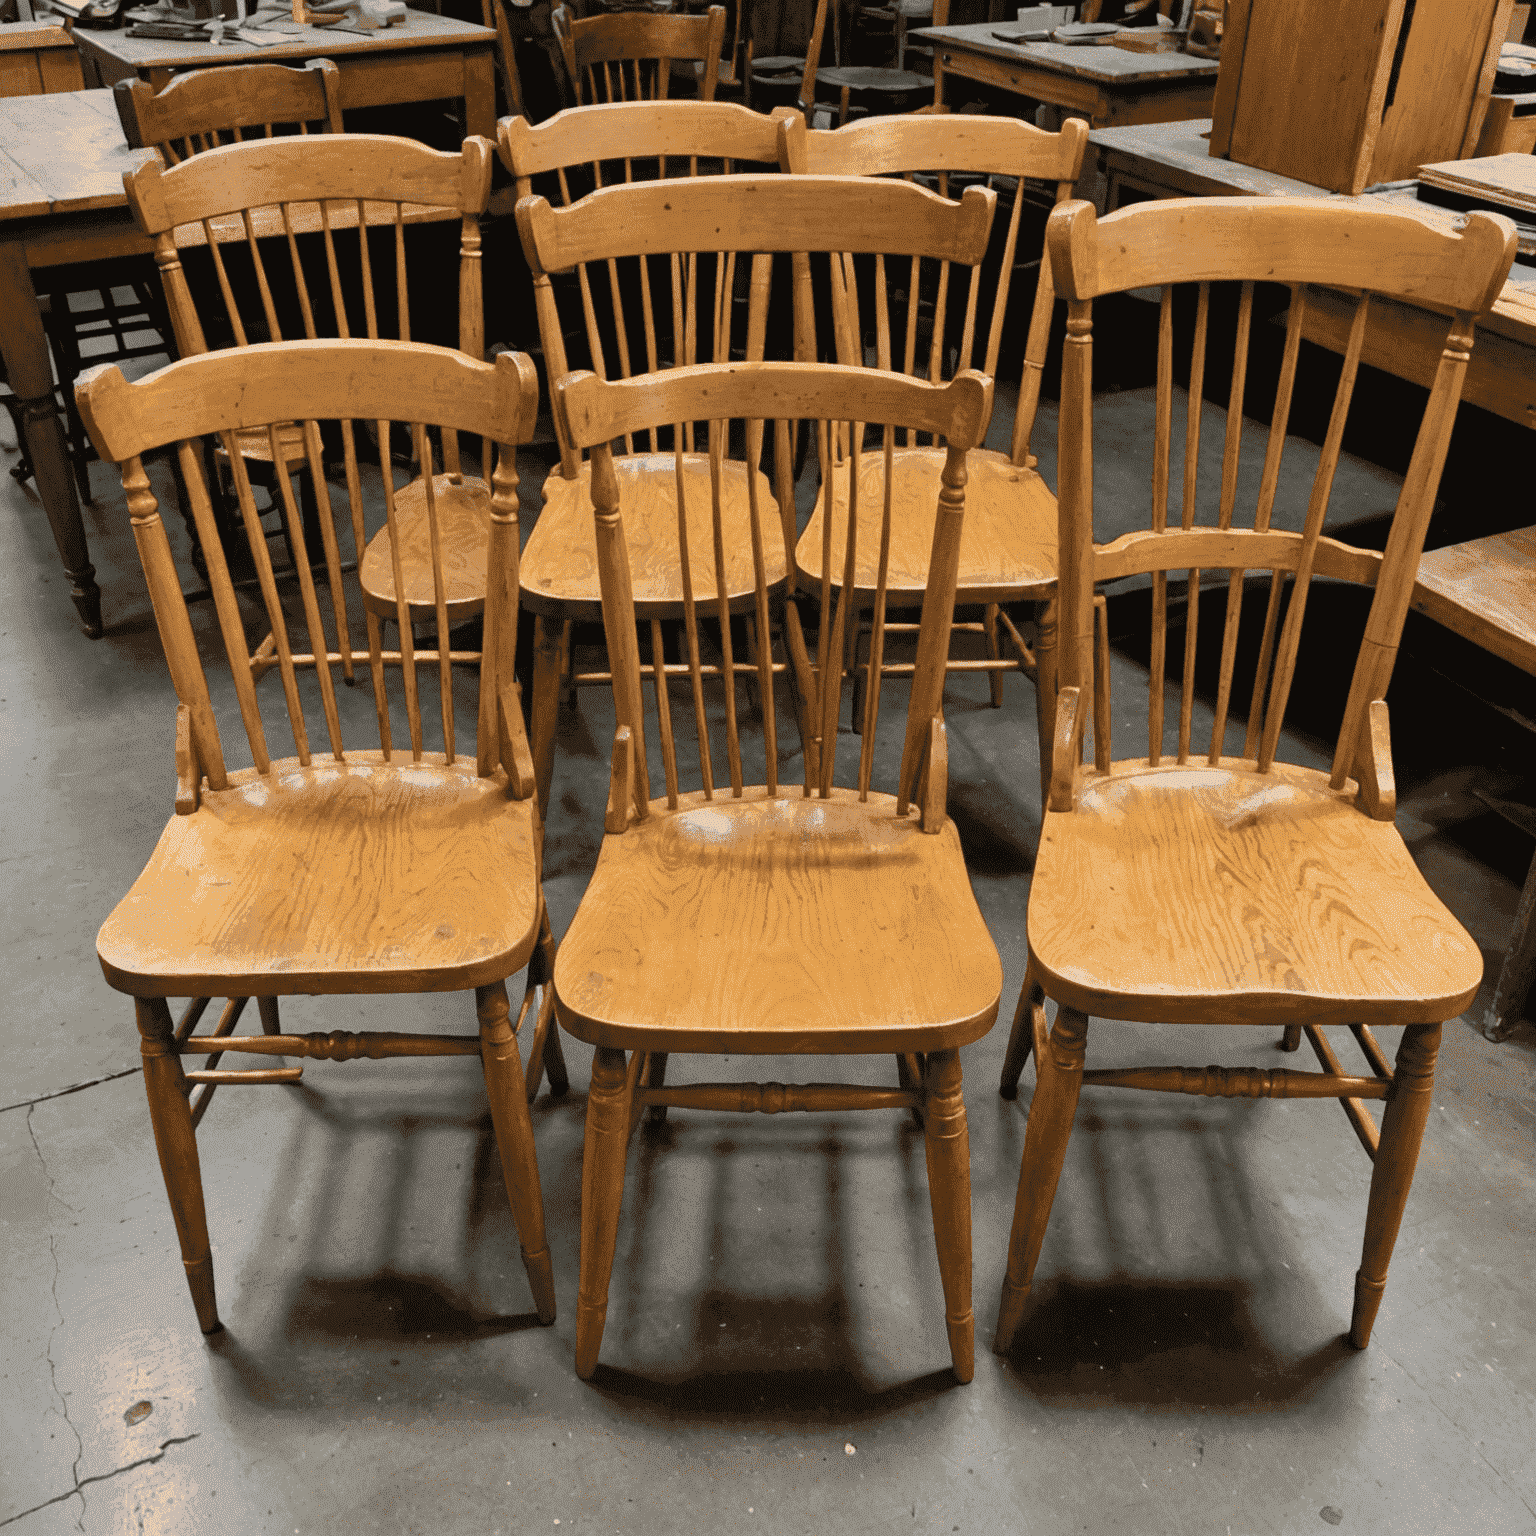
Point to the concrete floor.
(775, 1356)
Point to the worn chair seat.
(1007, 547)
(779, 925)
(363, 876)
(1288, 906)
(464, 531)
(559, 565)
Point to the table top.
(63, 153)
(1104, 65)
(420, 29)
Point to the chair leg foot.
(1402, 1130)
(947, 1143)
(170, 1114)
(505, 1085)
(602, 1194)
(1059, 1080)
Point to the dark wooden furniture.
(1200, 879)
(1105, 85)
(427, 58)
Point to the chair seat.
(559, 566)
(1007, 545)
(778, 64)
(358, 877)
(255, 445)
(464, 533)
(873, 77)
(779, 926)
(1221, 895)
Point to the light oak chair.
(1009, 554)
(757, 917)
(632, 55)
(337, 870)
(871, 86)
(276, 192)
(1191, 884)
(684, 249)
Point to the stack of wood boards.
(1348, 93)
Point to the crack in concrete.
(53, 1369)
(59, 1093)
(100, 1477)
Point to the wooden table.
(1484, 590)
(425, 58)
(62, 159)
(1107, 85)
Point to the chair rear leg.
(947, 1142)
(994, 653)
(1021, 1039)
(1402, 1129)
(1045, 693)
(655, 1077)
(602, 1194)
(514, 1139)
(170, 1114)
(1059, 1081)
(547, 667)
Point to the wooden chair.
(756, 917)
(874, 88)
(632, 56)
(338, 870)
(282, 190)
(1190, 884)
(1009, 554)
(632, 248)
(208, 107)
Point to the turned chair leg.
(1021, 1038)
(1045, 692)
(994, 653)
(514, 1140)
(170, 1114)
(947, 1142)
(1402, 1129)
(547, 667)
(655, 1076)
(1059, 1080)
(602, 1194)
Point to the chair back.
(325, 387)
(629, 56)
(738, 401)
(963, 311)
(205, 108)
(712, 251)
(1253, 243)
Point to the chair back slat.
(1245, 243)
(738, 400)
(945, 151)
(311, 393)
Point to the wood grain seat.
(464, 532)
(717, 927)
(1291, 907)
(559, 569)
(363, 876)
(1007, 550)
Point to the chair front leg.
(602, 1194)
(1059, 1081)
(1402, 1130)
(170, 1114)
(514, 1140)
(947, 1143)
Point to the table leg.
(25, 350)
(1517, 975)
(480, 93)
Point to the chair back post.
(1302, 244)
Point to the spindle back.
(325, 387)
(1300, 243)
(628, 56)
(962, 312)
(205, 108)
(743, 398)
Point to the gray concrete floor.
(775, 1356)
